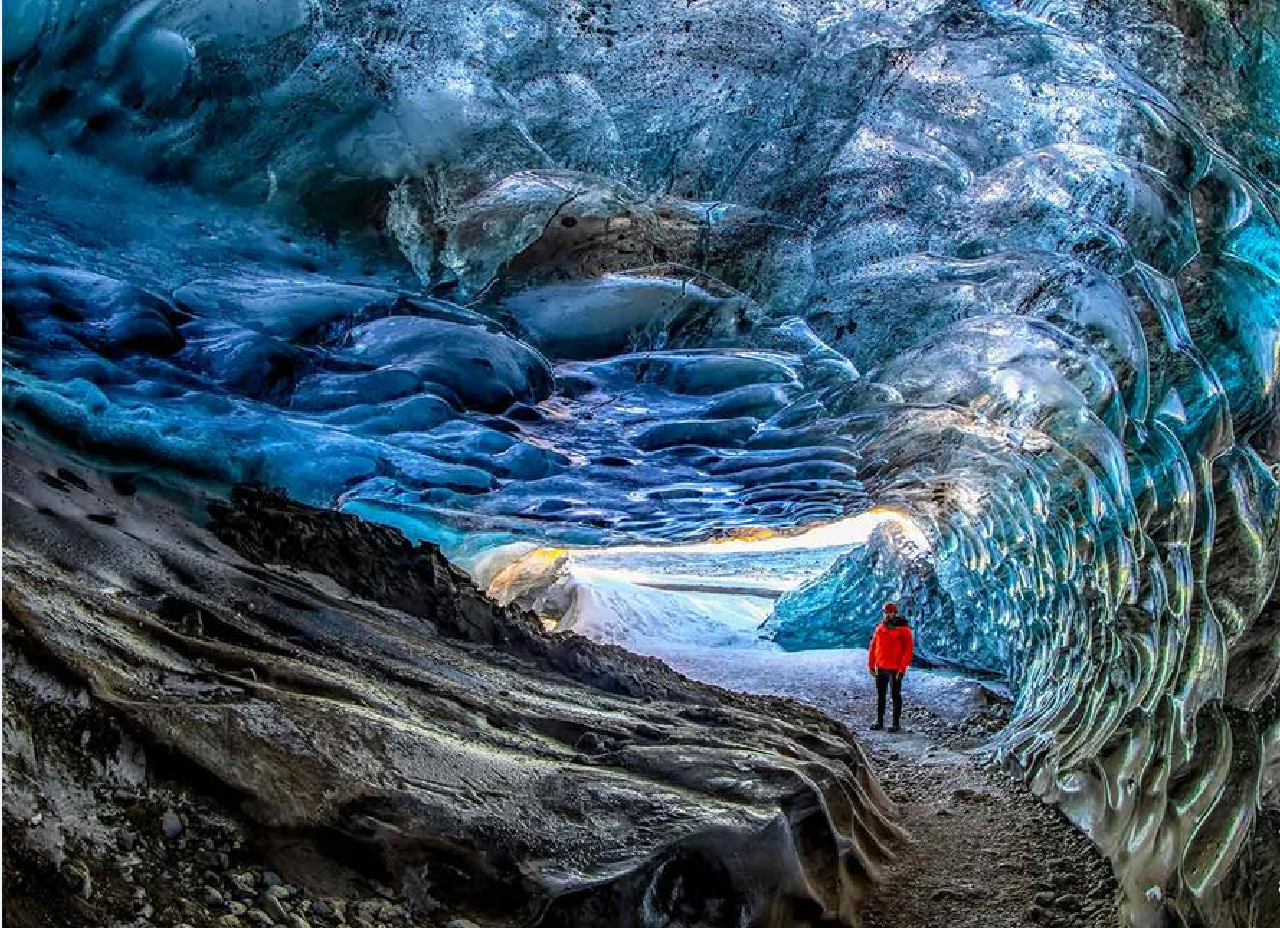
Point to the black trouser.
(884, 680)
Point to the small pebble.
(170, 824)
(271, 905)
(78, 878)
(1070, 902)
(242, 883)
(321, 908)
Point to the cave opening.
(802, 589)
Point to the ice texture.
(842, 607)
(659, 271)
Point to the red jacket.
(891, 646)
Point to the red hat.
(891, 608)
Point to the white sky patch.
(854, 530)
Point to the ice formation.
(841, 608)
(657, 270)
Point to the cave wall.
(655, 270)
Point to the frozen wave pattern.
(665, 270)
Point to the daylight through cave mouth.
(534, 291)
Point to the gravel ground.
(985, 853)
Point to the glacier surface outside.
(657, 270)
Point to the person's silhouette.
(888, 659)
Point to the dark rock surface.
(292, 698)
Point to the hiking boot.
(894, 728)
(878, 726)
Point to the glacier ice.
(657, 271)
(842, 607)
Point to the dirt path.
(987, 853)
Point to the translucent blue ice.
(658, 271)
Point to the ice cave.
(457, 453)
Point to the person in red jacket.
(888, 659)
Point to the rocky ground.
(985, 853)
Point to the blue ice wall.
(842, 607)
(657, 270)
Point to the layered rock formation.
(353, 705)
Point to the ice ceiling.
(660, 270)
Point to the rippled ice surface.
(652, 272)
